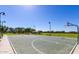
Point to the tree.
(5, 28)
(39, 32)
(19, 30)
(29, 30)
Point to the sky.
(38, 16)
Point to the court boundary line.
(71, 52)
(11, 45)
(36, 48)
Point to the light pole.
(34, 26)
(70, 24)
(49, 28)
(1, 23)
(3, 26)
(34, 29)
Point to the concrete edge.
(71, 52)
(12, 46)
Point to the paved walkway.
(5, 47)
(76, 51)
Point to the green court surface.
(31, 44)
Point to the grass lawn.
(9, 34)
(12, 34)
(68, 35)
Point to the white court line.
(73, 49)
(36, 48)
(5, 36)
